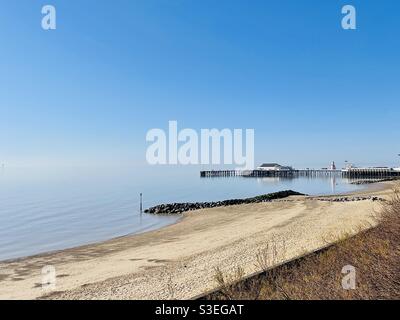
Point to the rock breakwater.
(351, 199)
(177, 208)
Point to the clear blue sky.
(89, 91)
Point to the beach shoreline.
(377, 186)
(170, 262)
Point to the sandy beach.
(179, 261)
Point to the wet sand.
(179, 261)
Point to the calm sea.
(45, 210)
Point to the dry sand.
(179, 261)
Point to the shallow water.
(46, 210)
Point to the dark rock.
(178, 208)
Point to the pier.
(354, 173)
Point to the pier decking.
(348, 173)
(370, 172)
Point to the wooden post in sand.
(141, 203)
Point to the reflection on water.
(333, 184)
(336, 183)
(44, 210)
